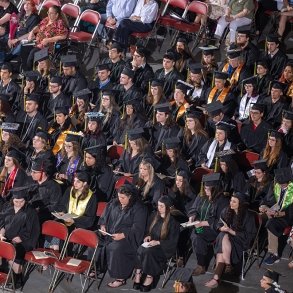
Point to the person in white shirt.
(141, 20)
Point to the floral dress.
(217, 8)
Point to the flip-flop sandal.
(213, 286)
(121, 283)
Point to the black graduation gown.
(142, 77)
(45, 198)
(116, 69)
(152, 260)
(108, 126)
(233, 182)
(182, 202)
(102, 181)
(288, 143)
(121, 255)
(169, 169)
(24, 224)
(55, 130)
(242, 240)
(263, 85)
(129, 164)
(274, 111)
(12, 89)
(133, 93)
(64, 167)
(97, 89)
(250, 55)
(282, 162)
(276, 64)
(90, 140)
(71, 84)
(86, 221)
(29, 125)
(56, 102)
(169, 79)
(198, 95)
(201, 239)
(255, 139)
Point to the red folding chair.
(53, 229)
(72, 12)
(7, 252)
(49, 3)
(83, 238)
(197, 175)
(114, 152)
(121, 181)
(100, 208)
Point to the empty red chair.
(72, 11)
(100, 208)
(121, 181)
(114, 152)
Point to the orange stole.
(236, 74)
(60, 140)
(225, 91)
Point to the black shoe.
(147, 288)
(136, 286)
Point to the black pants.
(127, 27)
(262, 18)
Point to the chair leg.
(166, 273)
(243, 265)
(54, 281)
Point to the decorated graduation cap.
(94, 116)
(184, 87)
(157, 82)
(283, 175)
(166, 200)
(260, 164)
(56, 79)
(225, 156)
(275, 133)
(221, 75)
(195, 68)
(190, 113)
(214, 108)
(273, 275)
(135, 133)
(83, 176)
(258, 107)
(83, 94)
(164, 107)
(42, 134)
(9, 127)
(117, 46)
(41, 55)
(288, 115)
(96, 150)
(104, 66)
(128, 71)
(33, 97)
(5, 98)
(274, 38)
(182, 275)
(32, 75)
(69, 60)
(172, 143)
(7, 66)
(209, 50)
(72, 136)
(211, 179)
(16, 154)
(62, 110)
(233, 51)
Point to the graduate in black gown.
(19, 225)
(206, 210)
(169, 74)
(287, 128)
(263, 77)
(102, 177)
(47, 193)
(237, 230)
(159, 245)
(125, 218)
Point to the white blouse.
(147, 12)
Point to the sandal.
(118, 282)
(290, 264)
(213, 285)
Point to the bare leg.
(17, 268)
(226, 248)
(282, 25)
(148, 280)
(137, 276)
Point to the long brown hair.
(198, 130)
(150, 98)
(271, 155)
(165, 226)
(84, 193)
(14, 141)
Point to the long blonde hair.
(148, 185)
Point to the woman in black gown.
(125, 218)
(159, 245)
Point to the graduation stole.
(10, 181)
(180, 111)
(288, 195)
(77, 206)
(59, 142)
(222, 96)
(236, 74)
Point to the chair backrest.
(70, 9)
(83, 237)
(122, 180)
(115, 152)
(90, 16)
(49, 3)
(198, 7)
(175, 4)
(100, 208)
(55, 229)
(7, 251)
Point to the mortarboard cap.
(225, 156)
(33, 97)
(263, 63)
(182, 275)
(170, 55)
(20, 192)
(16, 154)
(251, 80)
(166, 200)
(225, 126)
(152, 161)
(135, 102)
(193, 114)
(273, 38)
(56, 79)
(9, 127)
(135, 133)
(105, 66)
(221, 75)
(258, 106)
(110, 92)
(181, 40)
(283, 175)
(157, 82)
(142, 51)
(195, 68)
(40, 165)
(183, 173)
(172, 143)
(62, 110)
(41, 55)
(275, 133)
(7, 66)
(4, 97)
(241, 196)
(214, 108)
(211, 179)
(83, 94)
(279, 85)
(94, 116)
(117, 46)
(32, 75)
(209, 50)
(83, 176)
(245, 30)
(164, 107)
(128, 71)
(260, 164)
(72, 136)
(233, 51)
(288, 115)
(184, 87)
(272, 275)
(129, 187)
(69, 60)
(96, 150)
(42, 134)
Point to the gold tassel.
(188, 75)
(85, 121)
(84, 152)
(213, 81)
(177, 286)
(163, 149)
(126, 141)
(60, 67)
(269, 88)
(254, 70)
(201, 191)
(154, 116)
(149, 90)
(72, 101)
(216, 169)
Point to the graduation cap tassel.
(154, 116)
(201, 189)
(213, 81)
(85, 120)
(126, 141)
(149, 91)
(60, 68)
(216, 169)
(163, 149)
(254, 69)
(269, 88)
(177, 286)
(188, 75)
